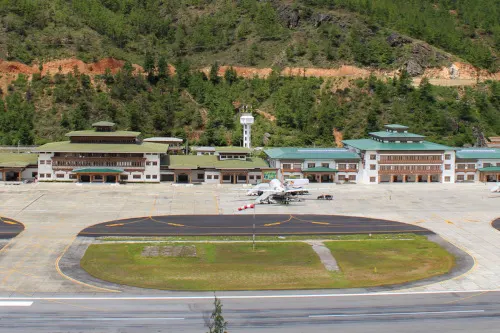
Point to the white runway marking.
(15, 303)
(211, 297)
(395, 314)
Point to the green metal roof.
(66, 146)
(310, 153)
(385, 134)
(95, 133)
(319, 169)
(369, 144)
(490, 169)
(477, 153)
(103, 124)
(13, 160)
(395, 126)
(211, 162)
(97, 170)
(232, 150)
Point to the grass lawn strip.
(274, 265)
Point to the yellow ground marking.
(322, 223)
(271, 224)
(449, 222)
(419, 221)
(314, 222)
(153, 207)
(469, 220)
(74, 280)
(216, 204)
(466, 298)
(9, 222)
(176, 225)
(114, 225)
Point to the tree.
(230, 75)
(214, 73)
(149, 64)
(162, 67)
(217, 323)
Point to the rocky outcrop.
(288, 15)
(414, 68)
(396, 39)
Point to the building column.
(428, 178)
(416, 178)
(247, 176)
(391, 179)
(404, 178)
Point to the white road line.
(118, 319)
(211, 297)
(15, 303)
(395, 314)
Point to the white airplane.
(277, 192)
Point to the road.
(265, 224)
(9, 228)
(257, 312)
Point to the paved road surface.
(9, 228)
(443, 312)
(266, 224)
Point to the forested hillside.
(191, 34)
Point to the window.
(123, 177)
(311, 165)
(498, 164)
(242, 177)
(373, 167)
(48, 162)
(353, 166)
(209, 176)
(137, 177)
(471, 177)
(42, 162)
(42, 175)
(297, 166)
(352, 177)
(287, 166)
(460, 178)
(447, 166)
(485, 165)
(471, 166)
(342, 166)
(48, 175)
(325, 165)
(447, 179)
(98, 177)
(373, 179)
(258, 177)
(72, 176)
(252, 177)
(148, 176)
(447, 156)
(33, 174)
(373, 157)
(155, 176)
(155, 163)
(216, 176)
(201, 176)
(60, 175)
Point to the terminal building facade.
(107, 155)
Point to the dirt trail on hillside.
(463, 74)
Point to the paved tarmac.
(265, 224)
(259, 312)
(54, 213)
(496, 224)
(9, 228)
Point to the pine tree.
(217, 323)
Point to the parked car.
(325, 197)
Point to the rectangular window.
(342, 166)
(460, 177)
(155, 176)
(155, 163)
(352, 177)
(373, 157)
(42, 162)
(48, 175)
(252, 177)
(325, 165)
(471, 177)
(373, 179)
(209, 176)
(287, 166)
(353, 166)
(297, 166)
(48, 162)
(447, 166)
(311, 165)
(373, 167)
(258, 177)
(201, 176)
(137, 176)
(72, 176)
(447, 179)
(148, 176)
(148, 163)
(123, 177)
(98, 177)
(242, 177)
(216, 176)
(485, 165)
(471, 166)
(447, 156)
(60, 175)
(33, 174)
(42, 175)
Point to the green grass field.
(284, 265)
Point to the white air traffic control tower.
(246, 120)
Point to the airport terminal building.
(395, 155)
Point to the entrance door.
(85, 178)
(110, 179)
(490, 178)
(11, 176)
(183, 178)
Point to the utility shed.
(18, 167)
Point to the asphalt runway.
(256, 312)
(9, 228)
(496, 224)
(267, 224)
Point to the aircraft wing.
(264, 196)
